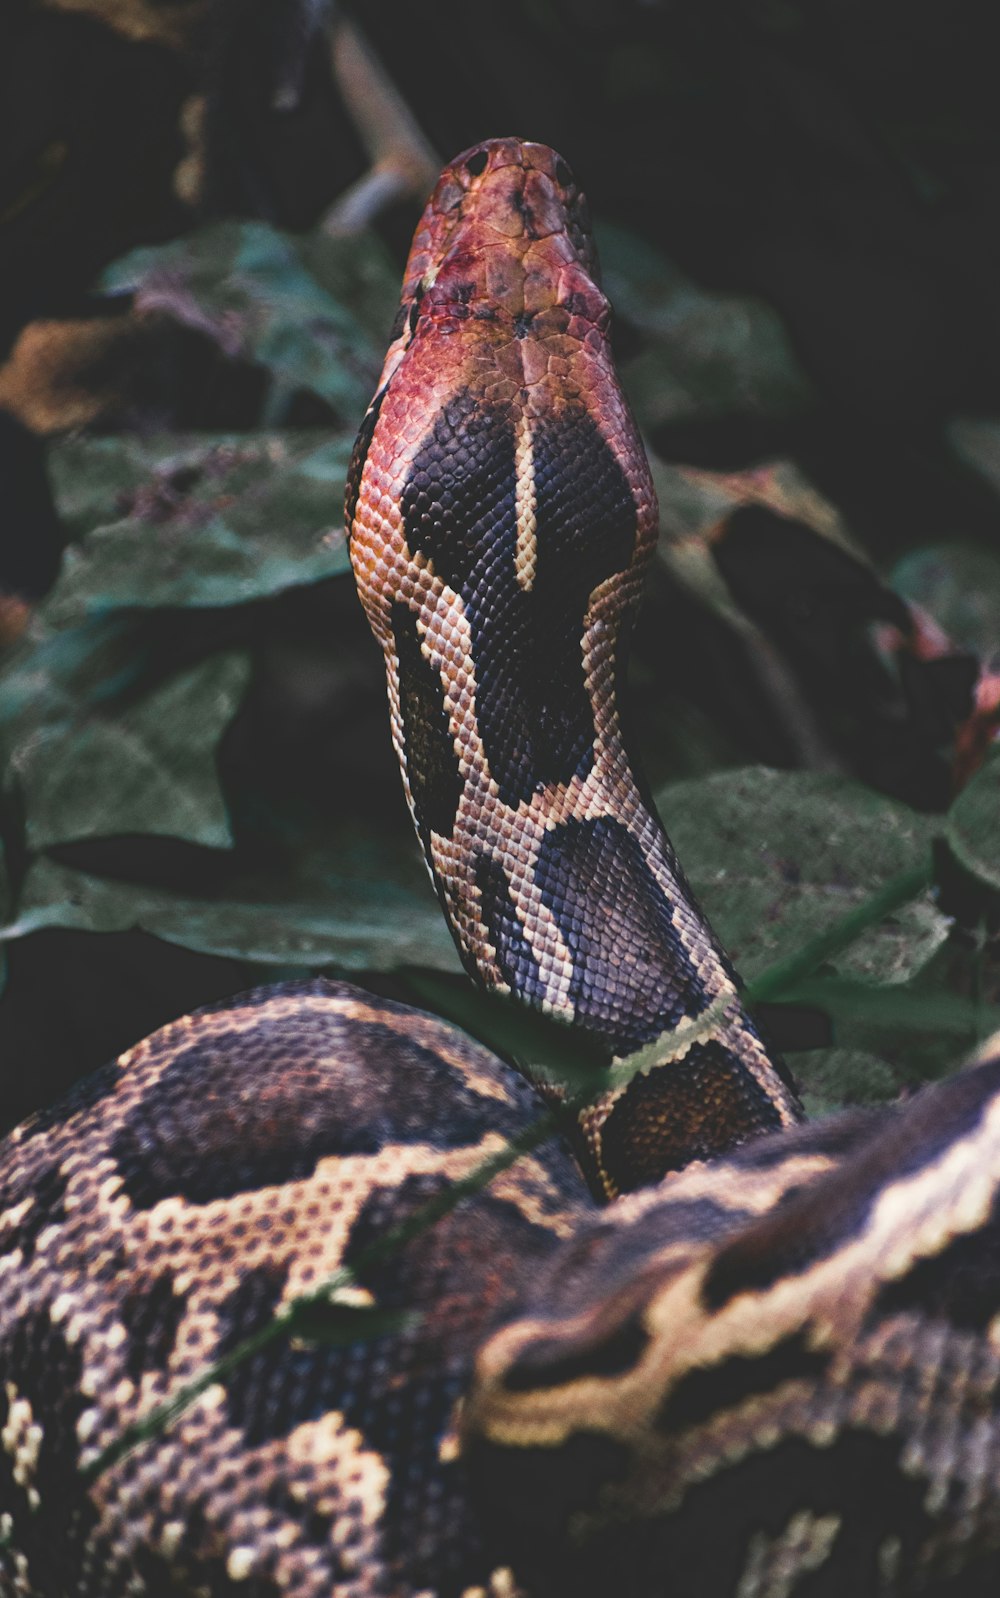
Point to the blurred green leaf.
(960, 586)
(247, 287)
(694, 502)
(89, 762)
(367, 906)
(898, 1007)
(709, 354)
(976, 439)
(843, 932)
(834, 1079)
(921, 1030)
(79, 664)
(356, 270)
(775, 856)
(972, 826)
(195, 521)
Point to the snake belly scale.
(772, 1375)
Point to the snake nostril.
(477, 163)
(563, 174)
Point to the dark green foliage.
(204, 599)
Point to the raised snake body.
(773, 1374)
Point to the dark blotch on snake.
(46, 1187)
(529, 1497)
(458, 501)
(631, 977)
(515, 958)
(151, 1313)
(459, 506)
(323, 1084)
(431, 761)
(686, 1110)
(960, 1284)
(549, 1362)
(712, 1540)
(47, 1371)
(159, 1575)
(359, 455)
(705, 1392)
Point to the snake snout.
(504, 203)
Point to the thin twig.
(404, 162)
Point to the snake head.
(505, 236)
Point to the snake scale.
(773, 1374)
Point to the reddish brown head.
(506, 234)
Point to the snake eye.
(563, 174)
(477, 163)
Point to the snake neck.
(501, 517)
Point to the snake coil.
(774, 1374)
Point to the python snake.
(774, 1373)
